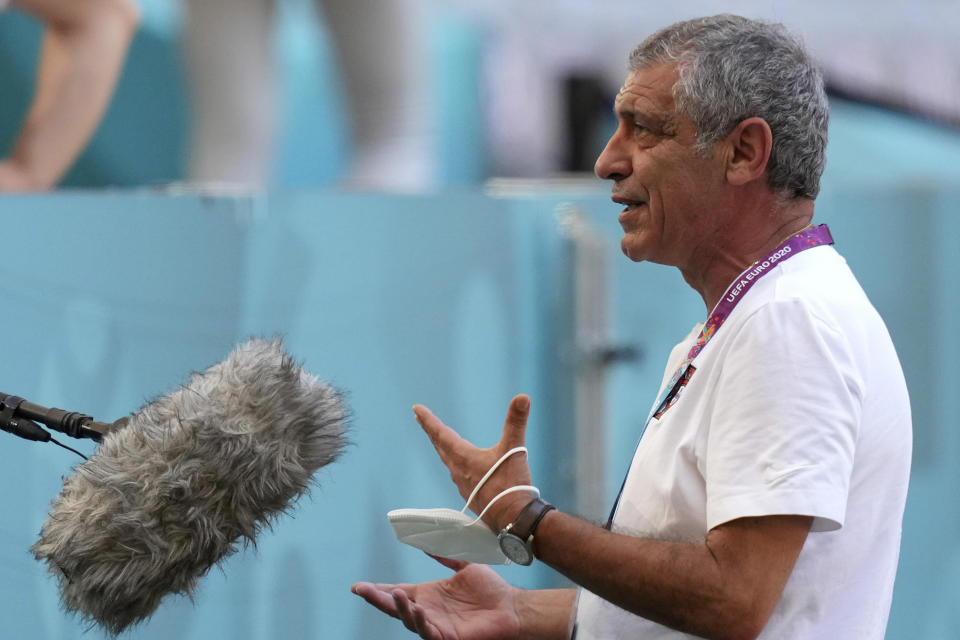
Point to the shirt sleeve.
(784, 429)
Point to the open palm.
(473, 604)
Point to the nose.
(614, 161)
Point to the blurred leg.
(229, 53)
(382, 55)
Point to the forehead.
(648, 89)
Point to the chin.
(630, 248)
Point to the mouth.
(628, 205)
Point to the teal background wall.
(110, 300)
(457, 302)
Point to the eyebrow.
(658, 122)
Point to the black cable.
(68, 448)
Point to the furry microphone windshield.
(188, 478)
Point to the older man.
(766, 494)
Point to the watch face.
(515, 549)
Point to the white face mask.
(454, 534)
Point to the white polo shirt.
(798, 406)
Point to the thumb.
(515, 426)
(450, 563)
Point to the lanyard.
(812, 236)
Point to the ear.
(750, 144)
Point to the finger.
(409, 589)
(515, 426)
(450, 563)
(444, 438)
(425, 628)
(379, 597)
(404, 610)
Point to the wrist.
(545, 614)
(508, 508)
(516, 539)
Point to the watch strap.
(529, 517)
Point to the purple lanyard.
(806, 239)
(812, 236)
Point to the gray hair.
(732, 68)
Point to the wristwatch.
(516, 539)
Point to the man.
(766, 495)
(84, 46)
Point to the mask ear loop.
(519, 487)
(496, 465)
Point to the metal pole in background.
(594, 353)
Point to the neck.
(734, 249)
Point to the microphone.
(186, 480)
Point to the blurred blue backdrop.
(458, 302)
(458, 299)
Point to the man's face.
(670, 192)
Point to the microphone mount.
(20, 417)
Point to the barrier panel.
(457, 301)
